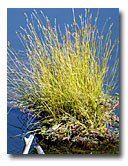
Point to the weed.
(66, 82)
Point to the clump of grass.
(66, 82)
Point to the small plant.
(66, 83)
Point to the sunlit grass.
(66, 79)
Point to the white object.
(39, 149)
(28, 142)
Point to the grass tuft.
(66, 81)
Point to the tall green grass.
(66, 79)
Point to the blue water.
(64, 16)
(14, 127)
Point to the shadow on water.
(15, 145)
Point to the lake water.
(15, 18)
(14, 127)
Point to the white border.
(3, 77)
(63, 4)
(69, 160)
